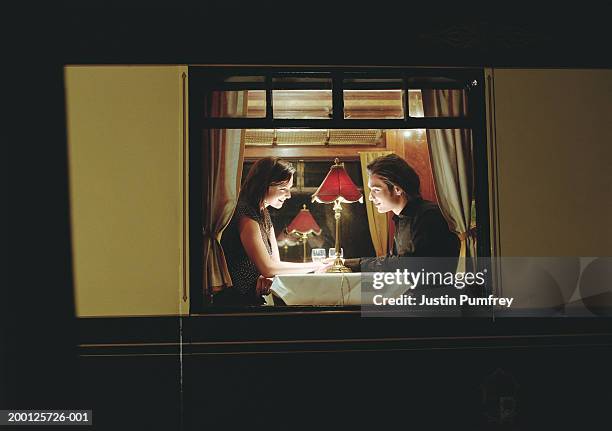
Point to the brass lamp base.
(338, 266)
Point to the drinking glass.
(332, 252)
(318, 254)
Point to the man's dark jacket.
(420, 232)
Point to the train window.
(314, 121)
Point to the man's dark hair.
(269, 171)
(395, 171)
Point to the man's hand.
(354, 264)
(263, 285)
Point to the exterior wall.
(125, 142)
(553, 150)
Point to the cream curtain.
(222, 160)
(378, 223)
(451, 153)
(228, 104)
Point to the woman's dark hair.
(266, 172)
(395, 171)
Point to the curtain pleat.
(222, 160)
(451, 153)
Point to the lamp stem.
(338, 266)
(304, 238)
(337, 210)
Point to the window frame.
(203, 79)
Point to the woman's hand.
(329, 260)
(263, 285)
(324, 266)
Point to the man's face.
(384, 200)
(277, 194)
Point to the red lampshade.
(304, 223)
(337, 185)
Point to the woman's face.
(277, 194)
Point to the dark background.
(564, 379)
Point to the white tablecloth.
(324, 289)
(317, 289)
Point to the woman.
(249, 241)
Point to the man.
(420, 229)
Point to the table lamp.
(303, 225)
(337, 188)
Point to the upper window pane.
(415, 103)
(373, 104)
(238, 104)
(437, 103)
(302, 104)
